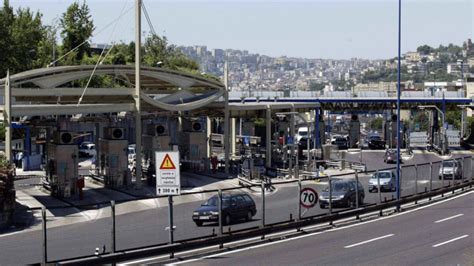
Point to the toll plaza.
(216, 132)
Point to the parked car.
(235, 206)
(87, 149)
(340, 141)
(387, 179)
(376, 142)
(390, 156)
(450, 168)
(343, 194)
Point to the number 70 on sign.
(308, 197)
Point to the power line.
(150, 24)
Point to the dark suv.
(376, 142)
(343, 194)
(235, 206)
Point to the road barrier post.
(330, 195)
(171, 227)
(298, 200)
(431, 178)
(379, 191)
(416, 181)
(453, 175)
(219, 206)
(470, 170)
(357, 192)
(45, 238)
(263, 207)
(112, 209)
(442, 176)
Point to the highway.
(147, 227)
(438, 234)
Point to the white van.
(302, 132)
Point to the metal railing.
(122, 233)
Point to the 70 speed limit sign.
(308, 197)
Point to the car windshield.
(381, 175)
(214, 200)
(391, 152)
(339, 186)
(374, 138)
(303, 133)
(448, 164)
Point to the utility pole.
(137, 95)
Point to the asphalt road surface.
(440, 234)
(147, 227)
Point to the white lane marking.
(293, 238)
(449, 241)
(449, 218)
(368, 241)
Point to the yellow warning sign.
(167, 163)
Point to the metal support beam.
(137, 96)
(232, 135)
(226, 120)
(268, 132)
(8, 119)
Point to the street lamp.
(443, 132)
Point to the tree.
(376, 123)
(316, 86)
(425, 49)
(6, 25)
(31, 50)
(454, 118)
(156, 50)
(77, 27)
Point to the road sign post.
(171, 226)
(299, 200)
(168, 183)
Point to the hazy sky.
(338, 29)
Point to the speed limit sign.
(308, 197)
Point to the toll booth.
(193, 144)
(62, 172)
(157, 138)
(113, 157)
(354, 131)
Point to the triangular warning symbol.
(167, 163)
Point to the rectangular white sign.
(167, 173)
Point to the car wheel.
(322, 206)
(198, 223)
(249, 216)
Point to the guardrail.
(284, 223)
(253, 232)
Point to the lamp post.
(398, 97)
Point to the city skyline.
(352, 29)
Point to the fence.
(128, 226)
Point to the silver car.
(387, 181)
(451, 168)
